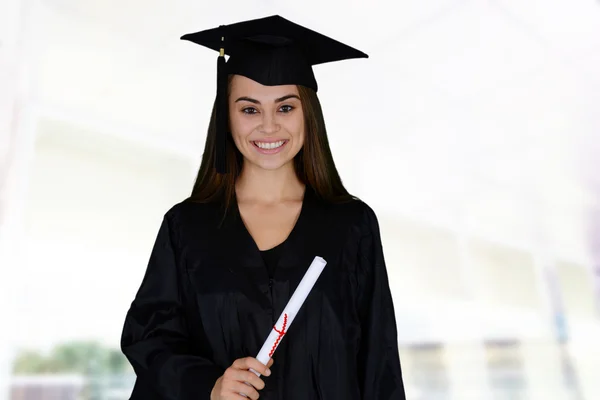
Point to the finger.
(240, 375)
(258, 367)
(241, 363)
(251, 378)
(234, 396)
(235, 375)
(251, 362)
(271, 361)
(242, 388)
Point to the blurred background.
(472, 130)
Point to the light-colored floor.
(502, 371)
(463, 371)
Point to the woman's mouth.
(269, 147)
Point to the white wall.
(93, 212)
(465, 130)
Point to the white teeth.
(269, 146)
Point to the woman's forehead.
(244, 86)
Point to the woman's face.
(267, 122)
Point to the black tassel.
(222, 116)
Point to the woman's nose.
(269, 123)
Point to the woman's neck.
(259, 185)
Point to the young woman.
(267, 200)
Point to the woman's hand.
(233, 382)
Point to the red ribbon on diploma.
(281, 332)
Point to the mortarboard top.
(271, 51)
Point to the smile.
(269, 145)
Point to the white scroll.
(290, 311)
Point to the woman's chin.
(271, 165)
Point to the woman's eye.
(249, 110)
(286, 109)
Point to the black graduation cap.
(271, 51)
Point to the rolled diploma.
(291, 309)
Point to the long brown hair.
(313, 164)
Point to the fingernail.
(268, 372)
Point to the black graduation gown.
(206, 299)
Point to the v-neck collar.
(292, 231)
(242, 255)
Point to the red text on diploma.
(281, 334)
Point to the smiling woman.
(267, 201)
(267, 128)
(262, 116)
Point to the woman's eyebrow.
(284, 98)
(251, 100)
(279, 100)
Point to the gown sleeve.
(155, 336)
(378, 359)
